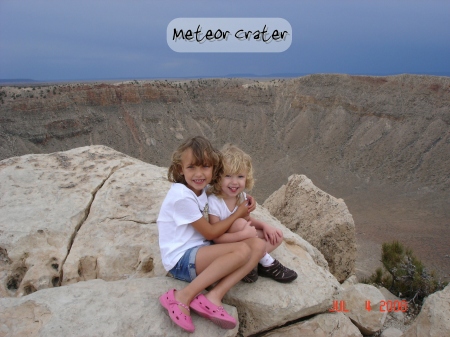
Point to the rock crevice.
(82, 221)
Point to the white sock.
(267, 260)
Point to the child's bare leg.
(257, 248)
(228, 263)
(213, 263)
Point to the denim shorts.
(185, 268)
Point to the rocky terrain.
(382, 144)
(79, 257)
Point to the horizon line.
(247, 76)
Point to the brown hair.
(203, 152)
(235, 161)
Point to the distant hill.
(16, 81)
(236, 75)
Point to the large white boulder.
(90, 213)
(391, 332)
(320, 219)
(363, 304)
(266, 304)
(99, 308)
(119, 238)
(323, 325)
(434, 318)
(44, 199)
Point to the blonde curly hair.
(234, 161)
(203, 152)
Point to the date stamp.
(393, 306)
(385, 306)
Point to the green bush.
(404, 275)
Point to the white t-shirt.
(218, 207)
(179, 209)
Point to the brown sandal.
(277, 272)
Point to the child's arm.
(271, 234)
(211, 232)
(238, 235)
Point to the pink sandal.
(169, 302)
(205, 308)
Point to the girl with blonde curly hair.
(226, 194)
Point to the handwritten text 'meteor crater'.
(219, 35)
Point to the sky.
(50, 40)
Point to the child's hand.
(251, 203)
(272, 235)
(249, 231)
(242, 210)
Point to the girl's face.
(197, 177)
(233, 184)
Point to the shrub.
(404, 275)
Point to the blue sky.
(92, 40)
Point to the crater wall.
(380, 143)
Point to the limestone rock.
(44, 200)
(388, 295)
(391, 332)
(351, 281)
(355, 298)
(319, 218)
(267, 304)
(434, 318)
(397, 315)
(99, 308)
(119, 238)
(116, 238)
(324, 325)
(293, 240)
